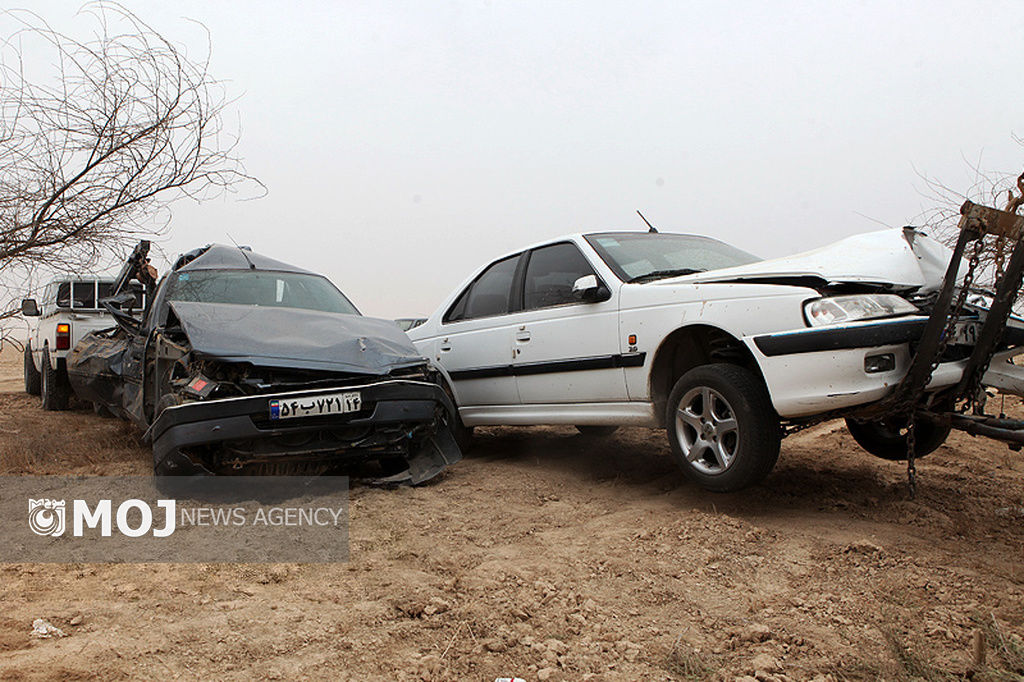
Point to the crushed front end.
(236, 418)
(262, 391)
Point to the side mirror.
(29, 308)
(590, 289)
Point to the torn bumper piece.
(396, 417)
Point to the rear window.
(259, 288)
(106, 290)
(81, 295)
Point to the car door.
(566, 350)
(475, 342)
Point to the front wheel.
(887, 438)
(722, 428)
(32, 377)
(54, 389)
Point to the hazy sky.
(405, 144)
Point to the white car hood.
(898, 258)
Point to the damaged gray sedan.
(243, 364)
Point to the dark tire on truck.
(722, 427)
(32, 376)
(54, 390)
(887, 438)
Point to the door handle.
(446, 347)
(522, 336)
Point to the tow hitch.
(963, 406)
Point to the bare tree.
(997, 189)
(93, 152)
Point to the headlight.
(840, 309)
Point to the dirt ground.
(548, 556)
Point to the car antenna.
(252, 265)
(655, 231)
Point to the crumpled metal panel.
(296, 338)
(901, 258)
(220, 257)
(96, 368)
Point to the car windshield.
(259, 287)
(646, 256)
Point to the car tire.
(462, 434)
(54, 389)
(722, 428)
(887, 438)
(166, 400)
(32, 376)
(596, 430)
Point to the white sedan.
(720, 348)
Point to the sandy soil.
(552, 557)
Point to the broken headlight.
(841, 309)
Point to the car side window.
(488, 295)
(550, 274)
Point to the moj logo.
(47, 517)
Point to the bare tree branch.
(996, 189)
(92, 155)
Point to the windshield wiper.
(662, 274)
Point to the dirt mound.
(552, 556)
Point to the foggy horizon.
(404, 145)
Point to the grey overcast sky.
(404, 144)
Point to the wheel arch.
(693, 346)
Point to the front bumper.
(397, 416)
(818, 370)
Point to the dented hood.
(903, 259)
(295, 338)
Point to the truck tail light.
(63, 336)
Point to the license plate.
(316, 406)
(965, 334)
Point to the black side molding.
(550, 366)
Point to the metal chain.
(975, 391)
(947, 334)
(958, 306)
(911, 467)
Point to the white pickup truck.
(68, 310)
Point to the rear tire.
(596, 431)
(722, 428)
(54, 389)
(32, 376)
(462, 434)
(887, 438)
